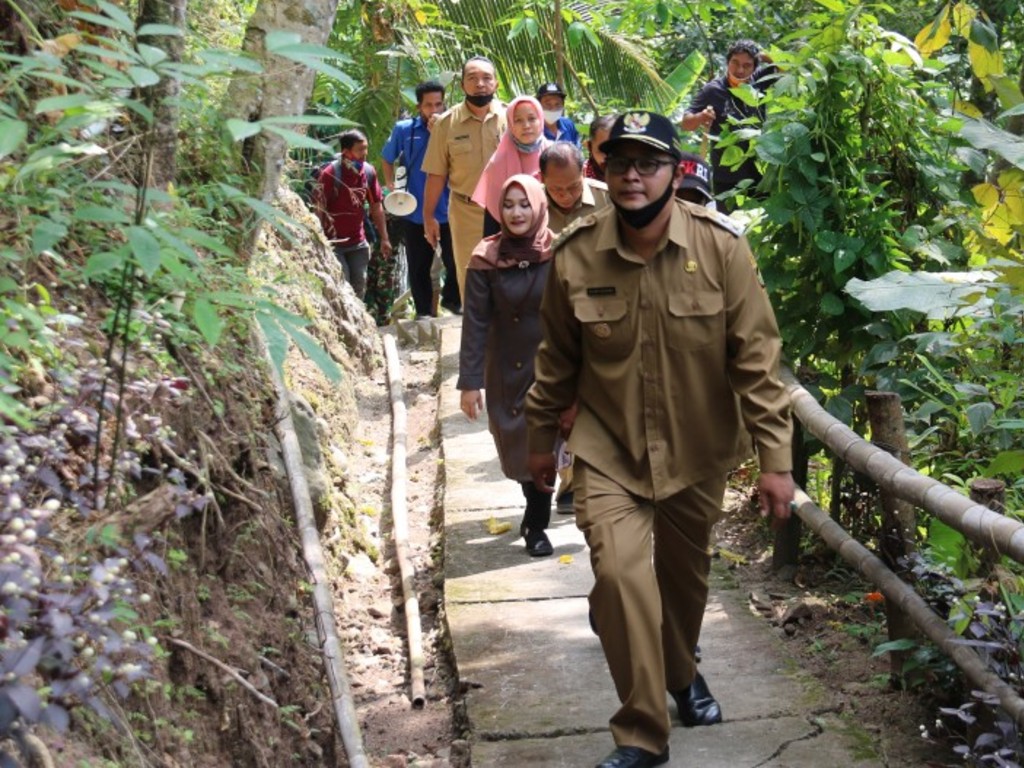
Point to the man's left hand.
(776, 492)
(385, 249)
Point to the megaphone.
(399, 203)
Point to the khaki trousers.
(466, 219)
(650, 563)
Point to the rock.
(798, 612)
(395, 761)
(361, 567)
(379, 611)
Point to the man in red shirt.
(343, 188)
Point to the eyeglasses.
(645, 166)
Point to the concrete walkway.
(538, 690)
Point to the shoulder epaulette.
(719, 219)
(584, 222)
(597, 184)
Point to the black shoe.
(563, 504)
(697, 654)
(590, 616)
(696, 705)
(451, 306)
(633, 757)
(537, 542)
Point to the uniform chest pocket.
(696, 319)
(606, 328)
(460, 147)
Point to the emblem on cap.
(636, 122)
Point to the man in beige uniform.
(654, 316)
(461, 142)
(570, 196)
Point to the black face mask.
(641, 217)
(480, 101)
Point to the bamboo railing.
(978, 523)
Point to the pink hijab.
(506, 250)
(507, 161)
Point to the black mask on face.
(480, 100)
(641, 217)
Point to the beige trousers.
(650, 563)
(466, 219)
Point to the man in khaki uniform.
(462, 140)
(570, 195)
(655, 318)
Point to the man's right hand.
(431, 230)
(542, 469)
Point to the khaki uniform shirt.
(461, 144)
(671, 358)
(593, 199)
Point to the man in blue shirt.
(557, 127)
(406, 147)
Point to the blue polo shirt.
(566, 132)
(409, 139)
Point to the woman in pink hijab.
(500, 334)
(518, 152)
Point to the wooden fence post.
(897, 539)
(991, 493)
(786, 551)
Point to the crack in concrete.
(816, 730)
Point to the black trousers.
(538, 507)
(420, 256)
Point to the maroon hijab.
(507, 250)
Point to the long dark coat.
(501, 331)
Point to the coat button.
(515, 411)
(519, 365)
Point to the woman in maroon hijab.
(500, 335)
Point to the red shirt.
(339, 203)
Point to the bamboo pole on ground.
(323, 598)
(400, 523)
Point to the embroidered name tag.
(608, 290)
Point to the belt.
(461, 197)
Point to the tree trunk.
(282, 89)
(163, 97)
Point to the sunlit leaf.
(966, 108)
(936, 294)
(143, 76)
(101, 263)
(986, 194)
(985, 63)
(207, 321)
(934, 36)
(296, 139)
(242, 129)
(963, 15)
(145, 248)
(68, 101)
(155, 30)
(1006, 463)
(12, 136)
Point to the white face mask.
(551, 115)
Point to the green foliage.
(859, 182)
